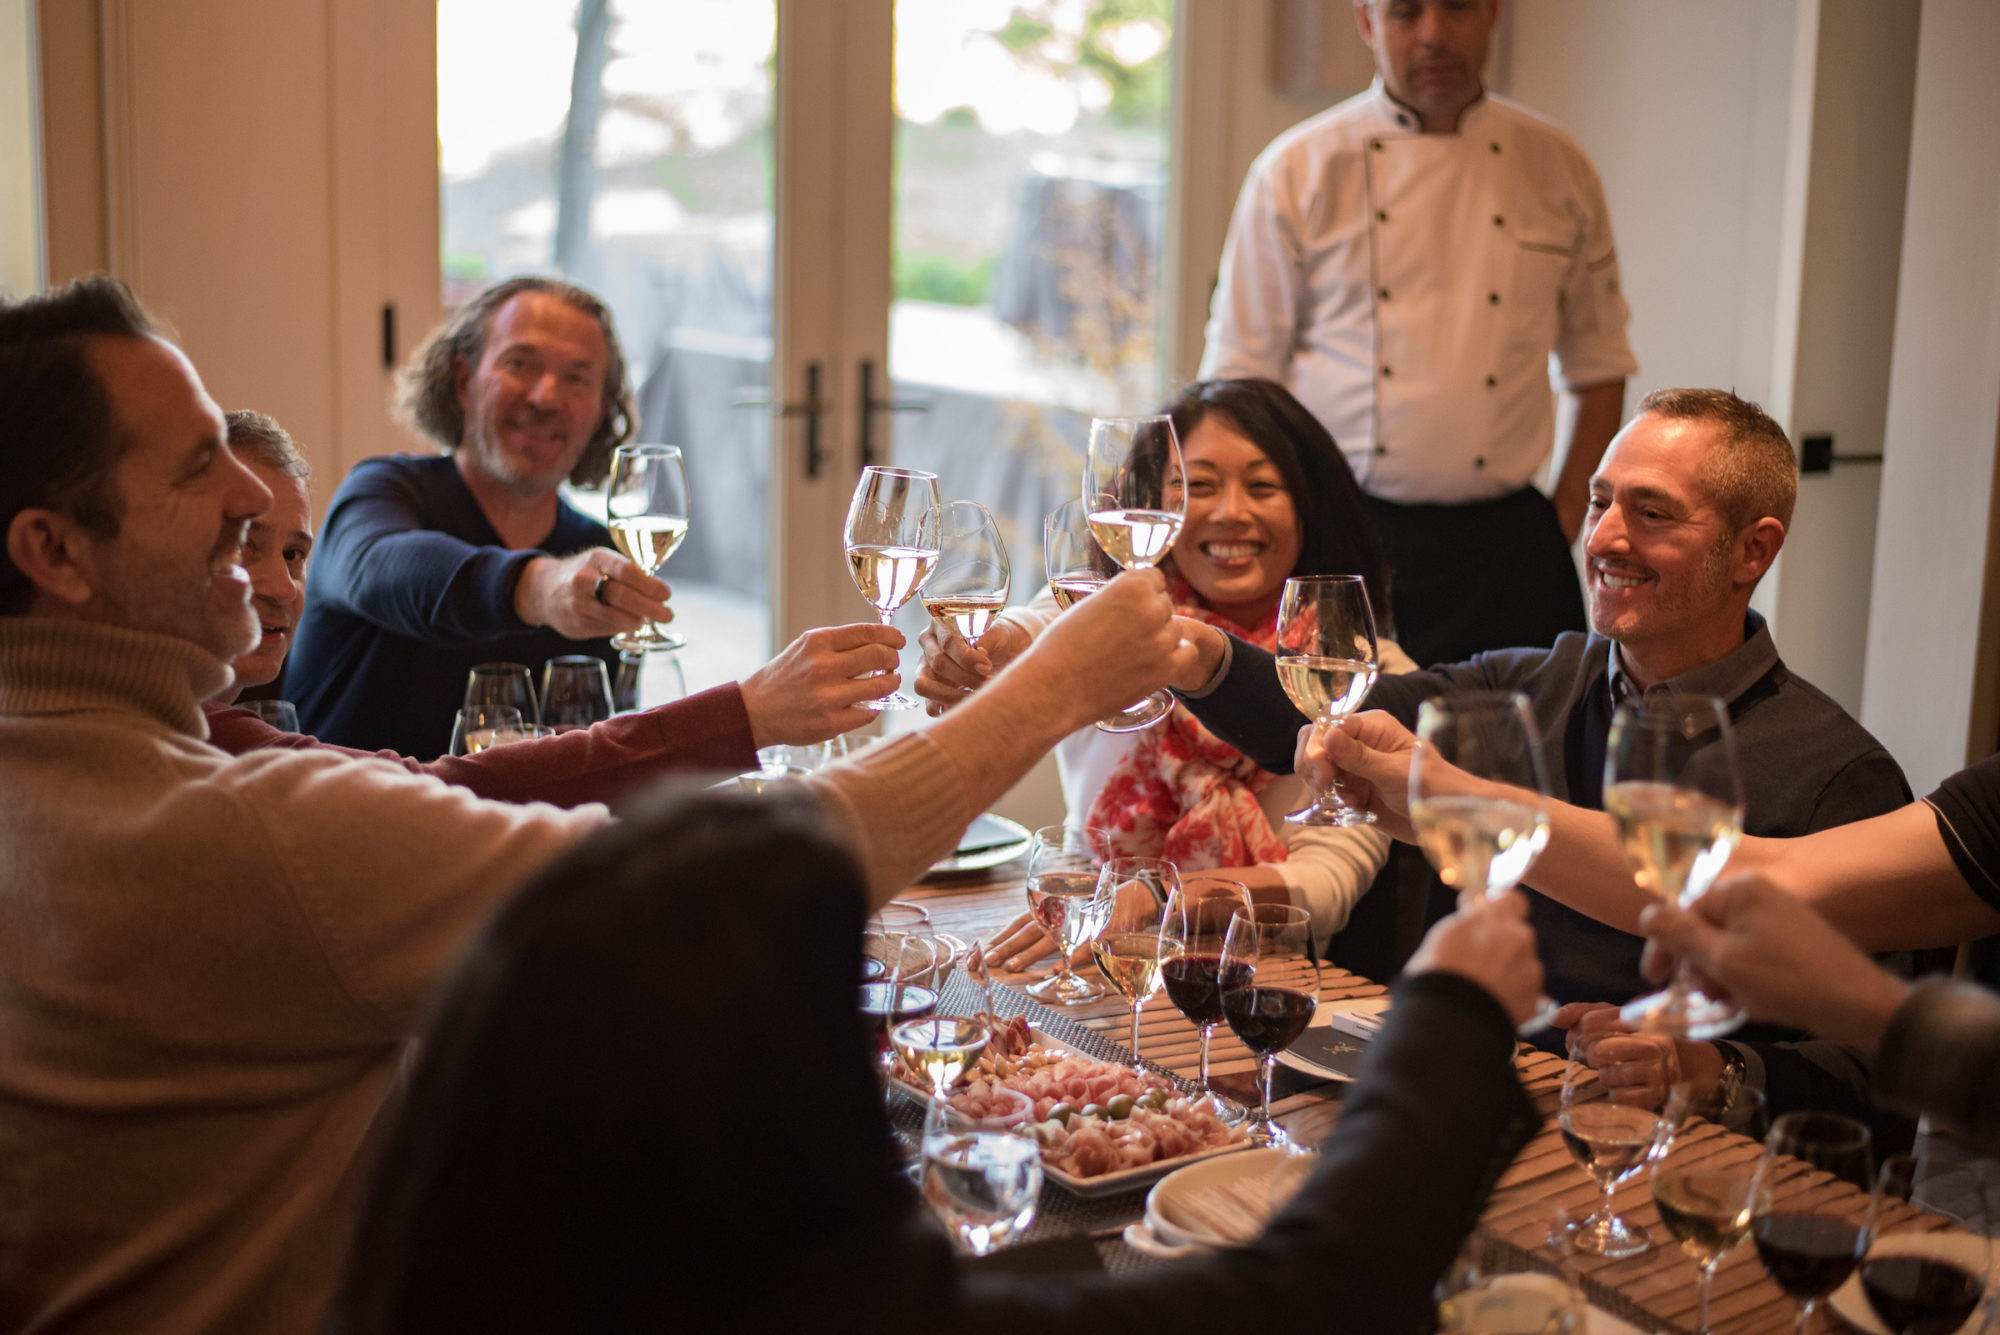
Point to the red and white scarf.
(1183, 793)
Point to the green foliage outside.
(942, 279)
(1139, 93)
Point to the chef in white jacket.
(1406, 263)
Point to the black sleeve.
(1941, 1055)
(1968, 818)
(1436, 1116)
(1250, 711)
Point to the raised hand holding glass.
(892, 547)
(1327, 661)
(969, 585)
(1135, 493)
(647, 499)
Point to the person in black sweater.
(646, 1103)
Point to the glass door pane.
(1031, 184)
(628, 145)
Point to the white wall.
(1932, 563)
(20, 176)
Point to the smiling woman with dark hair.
(646, 1104)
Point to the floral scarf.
(1183, 793)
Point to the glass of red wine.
(1803, 1239)
(1270, 989)
(1921, 1276)
(1192, 929)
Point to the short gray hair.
(258, 437)
(1753, 473)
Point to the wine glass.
(1811, 1252)
(1610, 1140)
(1136, 494)
(1075, 564)
(503, 684)
(1063, 862)
(1921, 1279)
(1706, 1200)
(968, 587)
(576, 692)
(1131, 894)
(1327, 663)
(892, 546)
(1477, 780)
(938, 1051)
(1489, 1294)
(280, 714)
(981, 1175)
(899, 935)
(1192, 929)
(1672, 784)
(647, 500)
(478, 727)
(1270, 988)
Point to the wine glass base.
(1060, 991)
(1321, 815)
(1138, 717)
(1611, 1236)
(1227, 1111)
(897, 700)
(638, 642)
(1694, 1015)
(1266, 1134)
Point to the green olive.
(1062, 1112)
(1090, 1110)
(1155, 1099)
(1120, 1106)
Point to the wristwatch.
(1734, 1069)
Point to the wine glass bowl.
(1076, 566)
(1327, 663)
(576, 692)
(1917, 1277)
(939, 1050)
(1131, 894)
(646, 500)
(1193, 927)
(969, 585)
(1270, 989)
(506, 685)
(478, 728)
(891, 541)
(1673, 787)
(1063, 864)
(1135, 501)
(981, 1176)
(1706, 1200)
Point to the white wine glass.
(1478, 784)
(576, 692)
(1672, 785)
(1494, 1296)
(1063, 862)
(1075, 564)
(1327, 662)
(1132, 894)
(1805, 1242)
(981, 1175)
(1270, 989)
(478, 728)
(969, 585)
(1610, 1141)
(1192, 929)
(939, 1050)
(647, 500)
(1706, 1199)
(1135, 492)
(891, 538)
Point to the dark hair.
(1754, 472)
(563, 1162)
(426, 387)
(1336, 534)
(260, 438)
(59, 436)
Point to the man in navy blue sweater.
(430, 565)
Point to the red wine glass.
(1270, 990)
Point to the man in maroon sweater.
(804, 695)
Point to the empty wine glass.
(1706, 1200)
(1920, 1278)
(1132, 892)
(1063, 862)
(892, 547)
(1269, 992)
(1672, 784)
(647, 500)
(479, 727)
(1611, 1141)
(968, 587)
(1327, 661)
(1135, 493)
(503, 684)
(1477, 780)
(1811, 1251)
(1192, 929)
(981, 1175)
(576, 692)
(280, 714)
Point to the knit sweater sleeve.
(905, 805)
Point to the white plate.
(1959, 1248)
(1173, 1225)
(1005, 841)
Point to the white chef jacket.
(1410, 289)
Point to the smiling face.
(1241, 540)
(175, 566)
(275, 555)
(1667, 577)
(1429, 52)
(537, 395)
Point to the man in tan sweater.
(210, 966)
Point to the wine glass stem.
(1206, 1030)
(1270, 1065)
(1707, 1277)
(1805, 1315)
(1135, 1029)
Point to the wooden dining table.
(1655, 1291)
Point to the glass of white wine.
(939, 1050)
(1672, 784)
(981, 1176)
(969, 585)
(1706, 1199)
(1477, 784)
(1327, 661)
(1075, 564)
(1135, 493)
(892, 546)
(1610, 1141)
(1132, 893)
(647, 500)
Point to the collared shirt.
(1725, 679)
(1410, 288)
